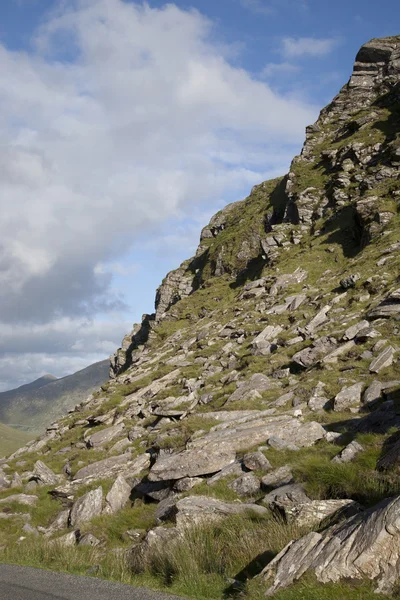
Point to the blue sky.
(124, 127)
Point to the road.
(25, 583)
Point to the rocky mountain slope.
(248, 437)
(33, 406)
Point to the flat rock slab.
(103, 468)
(105, 435)
(199, 509)
(191, 463)
(25, 499)
(217, 449)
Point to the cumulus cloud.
(293, 48)
(122, 117)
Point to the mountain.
(35, 405)
(248, 438)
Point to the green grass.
(11, 439)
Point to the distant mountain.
(12, 439)
(33, 406)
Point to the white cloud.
(279, 69)
(126, 116)
(307, 46)
(260, 7)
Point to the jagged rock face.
(364, 546)
(256, 379)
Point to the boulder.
(88, 540)
(256, 461)
(384, 360)
(25, 499)
(352, 331)
(277, 478)
(263, 343)
(16, 481)
(60, 522)
(187, 483)
(348, 397)
(43, 475)
(199, 509)
(313, 354)
(246, 485)
(389, 307)
(319, 319)
(104, 436)
(158, 538)
(190, 463)
(349, 453)
(287, 495)
(118, 496)
(85, 508)
(373, 393)
(349, 281)
(257, 382)
(365, 546)
(103, 468)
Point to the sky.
(124, 127)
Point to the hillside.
(11, 439)
(35, 405)
(247, 442)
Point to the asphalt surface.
(25, 583)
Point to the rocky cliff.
(263, 392)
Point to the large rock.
(277, 478)
(265, 342)
(25, 499)
(105, 435)
(256, 461)
(314, 512)
(103, 468)
(87, 507)
(348, 453)
(246, 485)
(257, 382)
(199, 509)
(286, 496)
(383, 360)
(348, 397)
(373, 393)
(118, 496)
(365, 546)
(313, 354)
(389, 307)
(191, 463)
(44, 475)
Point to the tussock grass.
(204, 558)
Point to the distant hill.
(11, 439)
(33, 406)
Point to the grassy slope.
(11, 439)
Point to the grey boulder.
(85, 508)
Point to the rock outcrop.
(265, 387)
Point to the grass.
(11, 439)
